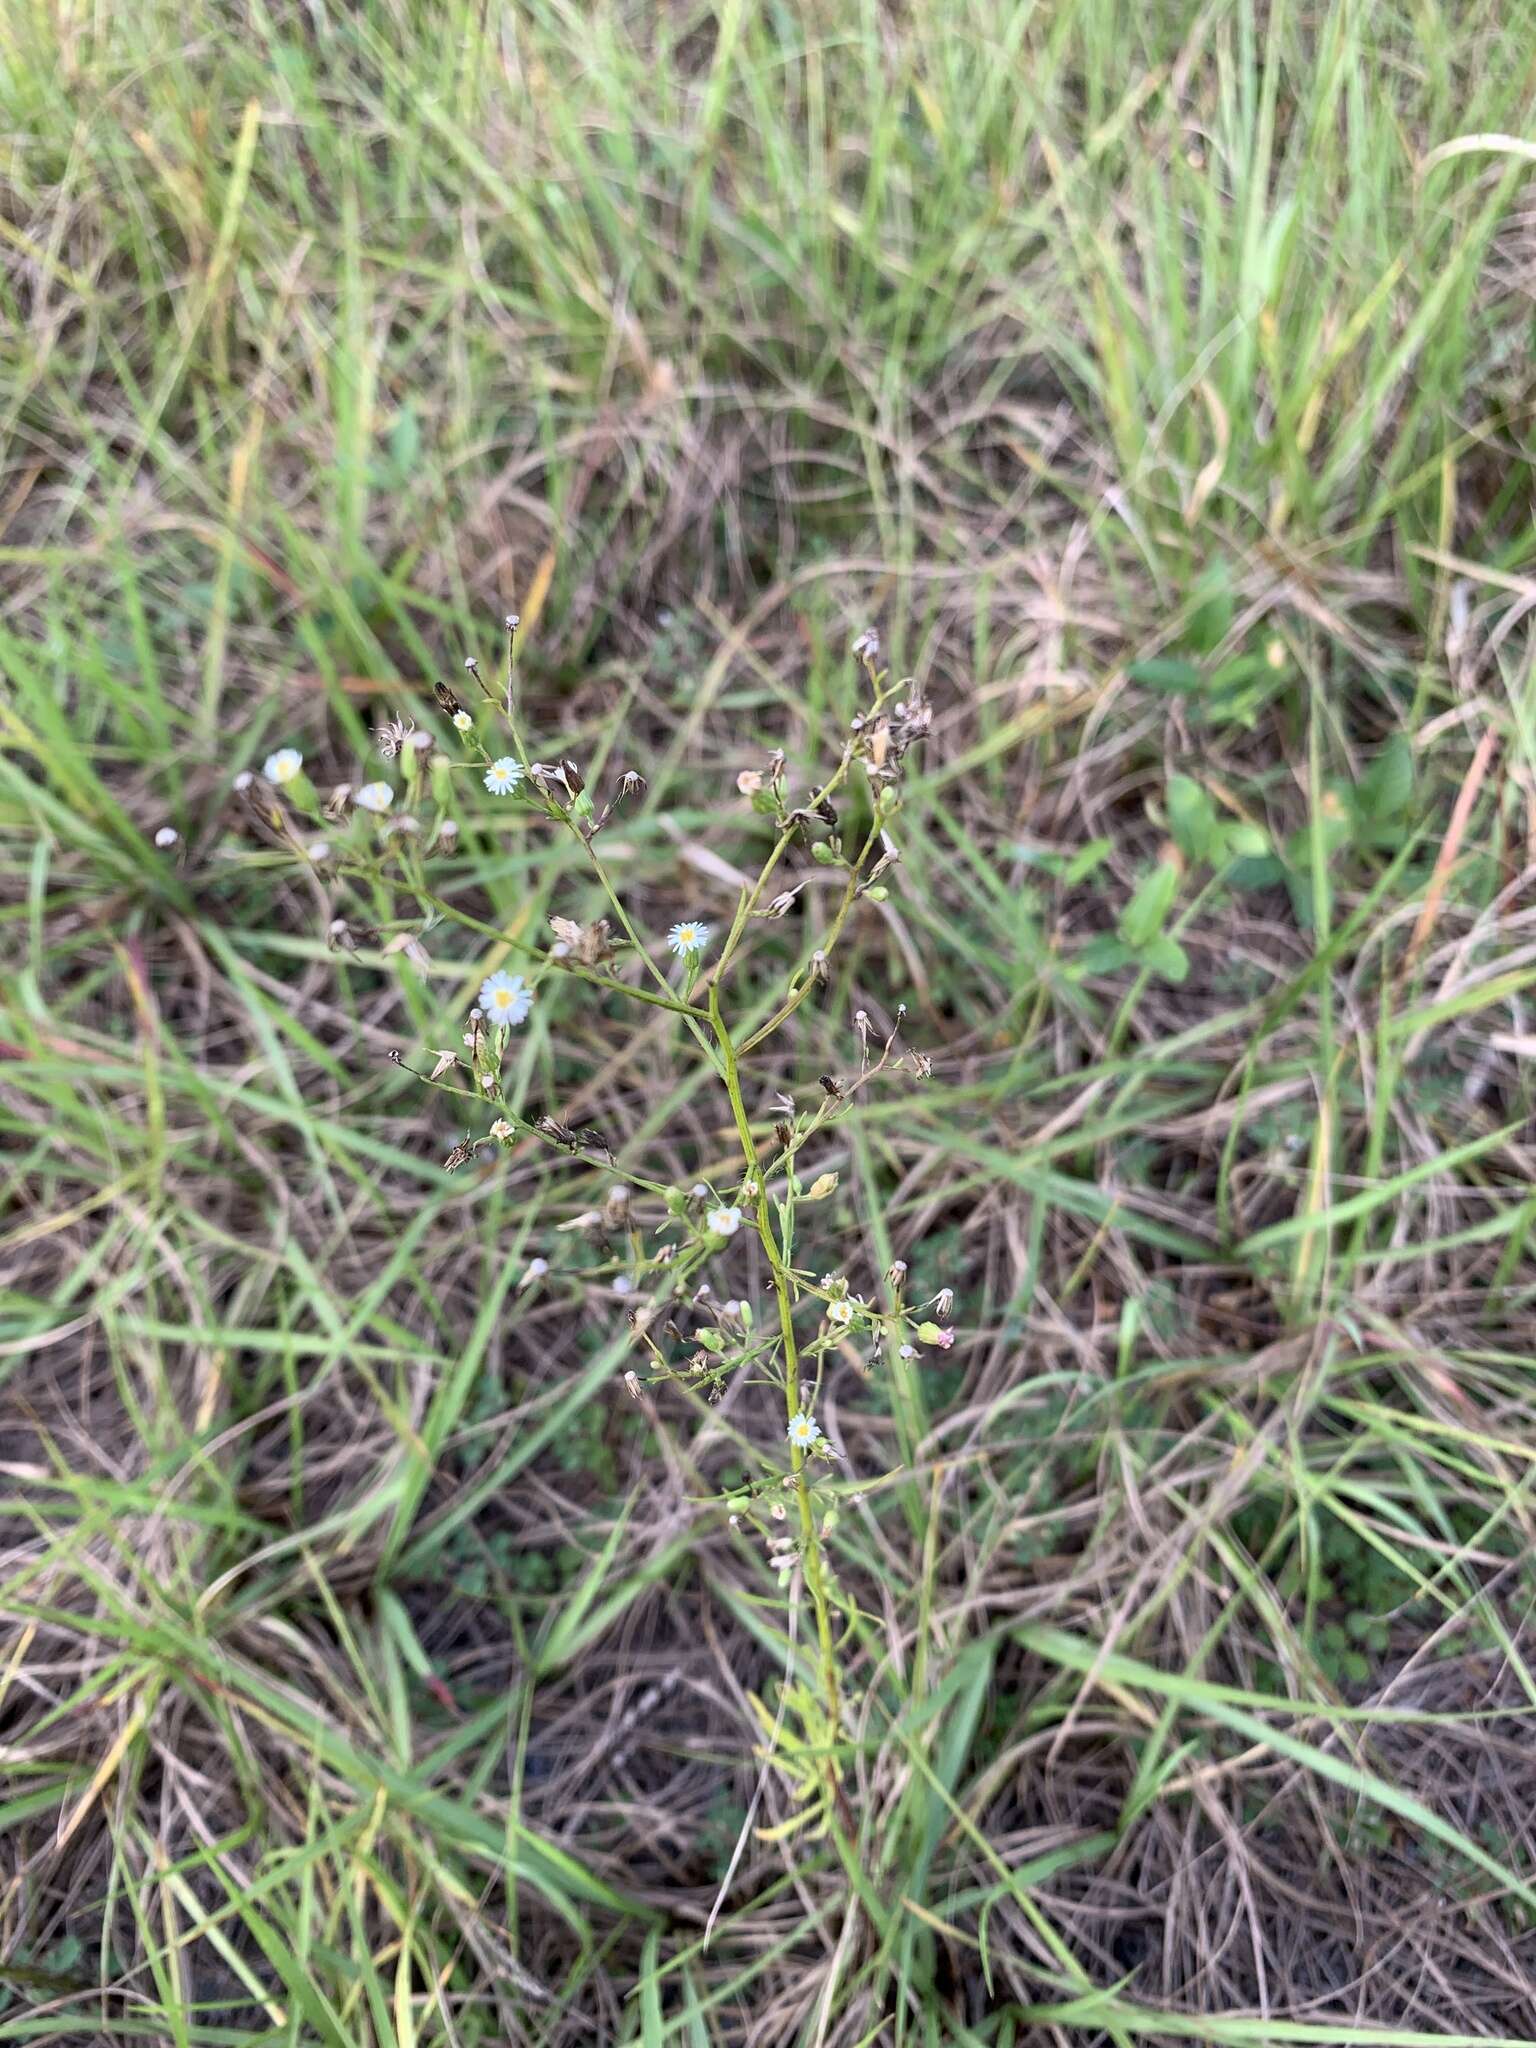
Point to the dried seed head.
(501, 1130)
(339, 936)
(390, 737)
(441, 1062)
(472, 665)
(242, 782)
(589, 944)
(782, 904)
(414, 951)
(616, 1206)
(447, 835)
(819, 966)
(512, 621)
(944, 1303)
(631, 782)
(785, 1134)
(535, 1270)
(749, 781)
(632, 1385)
(867, 646)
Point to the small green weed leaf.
(1192, 819)
(1167, 959)
(1103, 954)
(1167, 672)
(1147, 912)
(1382, 793)
(1248, 842)
(1380, 799)
(1211, 620)
(1256, 871)
(1086, 861)
(405, 442)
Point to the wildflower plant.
(674, 1235)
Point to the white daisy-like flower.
(688, 938)
(503, 776)
(505, 998)
(501, 1129)
(803, 1433)
(723, 1222)
(374, 796)
(462, 722)
(166, 836)
(283, 766)
(840, 1312)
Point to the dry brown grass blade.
(1450, 847)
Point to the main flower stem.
(810, 1538)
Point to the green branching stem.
(810, 1536)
